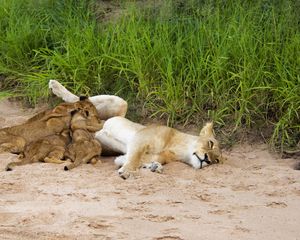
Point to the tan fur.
(50, 149)
(162, 144)
(108, 106)
(13, 139)
(84, 147)
(50, 122)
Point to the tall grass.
(235, 62)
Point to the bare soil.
(254, 195)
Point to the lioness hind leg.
(60, 91)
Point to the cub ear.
(207, 130)
(73, 112)
(82, 98)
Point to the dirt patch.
(254, 195)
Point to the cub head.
(87, 113)
(206, 149)
(86, 107)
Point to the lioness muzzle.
(202, 160)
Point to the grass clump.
(235, 62)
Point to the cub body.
(84, 147)
(50, 149)
(50, 122)
(13, 139)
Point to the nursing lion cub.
(153, 146)
(50, 149)
(50, 122)
(84, 147)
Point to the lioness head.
(207, 149)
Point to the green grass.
(235, 62)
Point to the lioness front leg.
(154, 166)
(155, 162)
(133, 162)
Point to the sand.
(254, 195)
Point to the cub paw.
(8, 168)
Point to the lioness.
(153, 146)
(50, 149)
(50, 122)
(84, 147)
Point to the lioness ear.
(210, 144)
(207, 130)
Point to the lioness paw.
(60, 91)
(123, 173)
(154, 167)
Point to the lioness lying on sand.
(153, 146)
(147, 146)
(84, 147)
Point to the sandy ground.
(254, 195)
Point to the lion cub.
(44, 124)
(14, 139)
(84, 147)
(50, 149)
